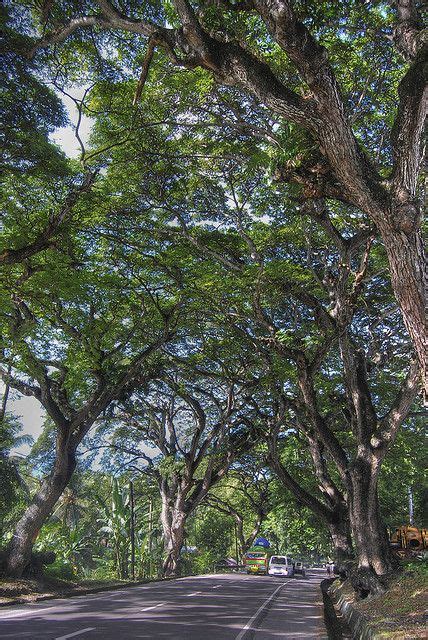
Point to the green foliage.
(69, 545)
(402, 472)
(115, 518)
(188, 221)
(30, 109)
(295, 531)
(214, 538)
(12, 485)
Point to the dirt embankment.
(401, 612)
(12, 591)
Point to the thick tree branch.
(110, 19)
(359, 180)
(399, 411)
(409, 34)
(357, 388)
(327, 486)
(85, 417)
(320, 427)
(406, 143)
(304, 496)
(62, 33)
(25, 388)
(191, 46)
(45, 239)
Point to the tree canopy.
(232, 269)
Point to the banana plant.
(115, 518)
(69, 544)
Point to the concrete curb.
(80, 592)
(331, 620)
(358, 624)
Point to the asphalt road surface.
(215, 607)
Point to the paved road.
(216, 607)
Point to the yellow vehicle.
(408, 540)
(256, 560)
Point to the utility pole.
(150, 535)
(5, 394)
(236, 542)
(411, 515)
(131, 501)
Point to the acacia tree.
(371, 423)
(323, 324)
(295, 61)
(306, 298)
(189, 433)
(76, 341)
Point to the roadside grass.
(401, 612)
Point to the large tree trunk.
(18, 553)
(373, 551)
(408, 277)
(242, 547)
(173, 518)
(244, 543)
(340, 533)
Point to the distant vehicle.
(256, 559)
(261, 542)
(299, 568)
(227, 562)
(281, 566)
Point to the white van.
(281, 566)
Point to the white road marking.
(153, 607)
(216, 586)
(76, 633)
(242, 633)
(189, 595)
(24, 613)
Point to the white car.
(281, 566)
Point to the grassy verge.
(401, 612)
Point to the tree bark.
(18, 553)
(374, 554)
(174, 539)
(339, 528)
(173, 519)
(407, 264)
(244, 543)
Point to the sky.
(28, 410)
(64, 136)
(30, 414)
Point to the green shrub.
(60, 569)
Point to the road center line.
(189, 595)
(153, 607)
(242, 633)
(76, 633)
